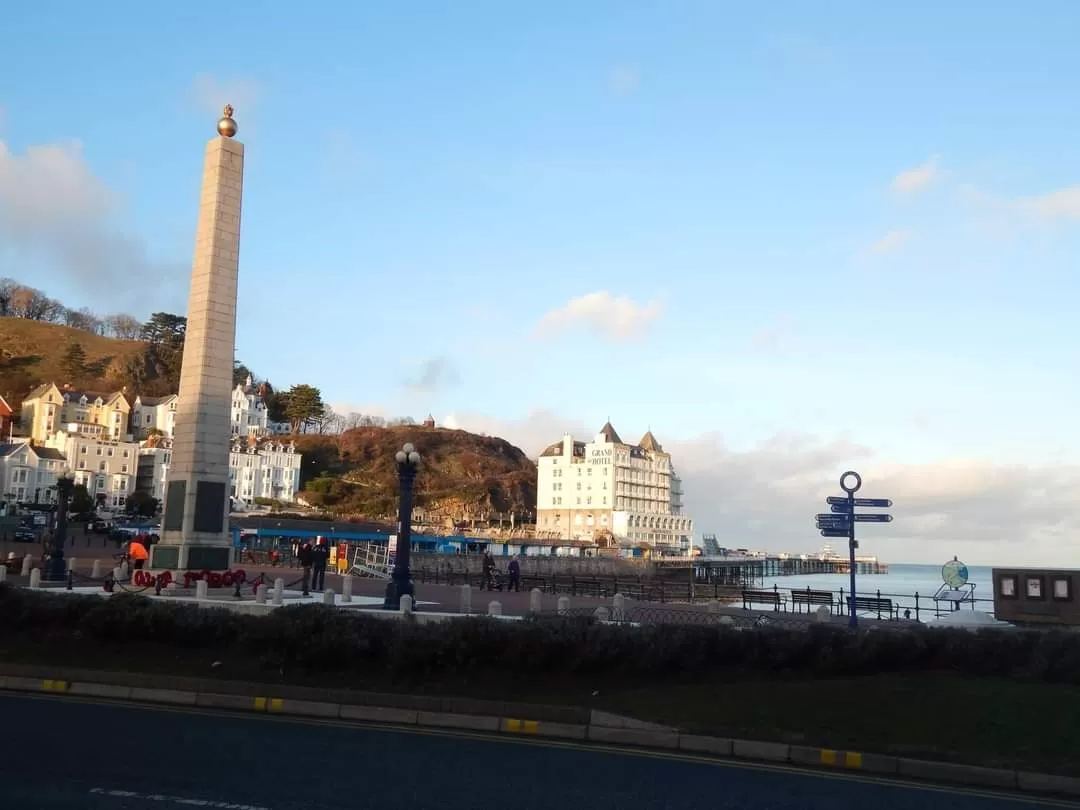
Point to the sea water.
(900, 585)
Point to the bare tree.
(34, 305)
(352, 421)
(7, 291)
(329, 423)
(366, 420)
(83, 319)
(124, 327)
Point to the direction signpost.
(841, 519)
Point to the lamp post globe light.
(56, 569)
(401, 584)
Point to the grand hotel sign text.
(600, 455)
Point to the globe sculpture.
(955, 574)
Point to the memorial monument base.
(190, 557)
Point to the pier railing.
(873, 604)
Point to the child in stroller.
(496, 580)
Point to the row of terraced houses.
(115, 444)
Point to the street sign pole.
(850, 482)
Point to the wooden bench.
(871, 604)
(762, 598)
(811, 598)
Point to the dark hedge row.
(328, 640)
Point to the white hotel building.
(612, 493)
(259, 466)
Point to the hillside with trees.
(463, 476)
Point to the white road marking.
(161, 797)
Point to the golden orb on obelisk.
(225, 125)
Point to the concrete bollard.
(602, 614)
(95, 570)
(328, 596)
(714, 608)
(823, 614)
(346, 588)
(536, 601)
(618, 608)
(200, 589)
(279, 591)
(27, 564)
(3, 573)
(260, 594)
(71, 562)
(563, 605)
(466, 598)
(116, 574)
(405, 605)
(124, 572)
(35, 577)
(494, 608)
(727, 621)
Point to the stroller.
(496, 580)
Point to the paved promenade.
(113, 757)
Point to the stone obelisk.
(195, 527)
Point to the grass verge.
(992, 722)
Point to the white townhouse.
(28, 473)
(611, 492)
(106, 467)
(153, 415)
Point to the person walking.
(320, 555)
(488, 581)
(305, 555)
(514, 570)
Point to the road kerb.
(756, 749)
(957, 774)
(634, 736)
(100, 690)
(1047, 783)
(534, 728)
(468, 722)
(310, 708)
(700, 744)
(172, 696)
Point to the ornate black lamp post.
(401, 583)
(56, 570)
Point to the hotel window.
(1062, 589)
(1034, 588)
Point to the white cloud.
(55, 210)
(210, 93)
(766, 497)
(890, 242)
(1063, 204)
(625, 81)
(917, 179)
(617, 318)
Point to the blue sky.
(425, 181)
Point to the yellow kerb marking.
(529, 726)
(828, 756)
(513, 725)
(276, 704)
(853, 759)
(260, 704)
(54, 686)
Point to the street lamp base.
(54, 570)
(395, 589)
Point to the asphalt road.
(61, 753)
